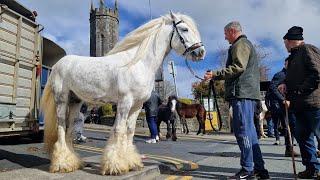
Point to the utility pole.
(172, 70)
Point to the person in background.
(303, 97)
(256, 118)
(275, 100)
(78, 125)
(151, 107)
(242, 90)
(270, 129)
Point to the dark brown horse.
(190, 111)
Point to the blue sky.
(264, 22)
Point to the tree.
(201, 89)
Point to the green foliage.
(107, 110)
(201, 89)
(186, 100)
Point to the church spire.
(102, 4)
(91, 7)
(116, 4)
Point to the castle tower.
(104, 28)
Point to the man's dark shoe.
(309, 174)
(243, 174)
(288, 153)
(261, 174)
(271, 136)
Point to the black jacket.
(151, 106)
(274, 99)
(303, 78)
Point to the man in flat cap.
(303, 97)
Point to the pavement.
(217, 164)
(90, 171)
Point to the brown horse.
(190, 111)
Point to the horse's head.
(172, 102)
(185, 37)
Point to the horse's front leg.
(114, 160)
(168, 129)
(63, 157)
(174, 134)
(132, 154)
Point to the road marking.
(186, 178)
(173, 177)
(178, 163)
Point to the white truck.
(25, 61)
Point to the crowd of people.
(294, 94)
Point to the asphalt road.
(217, 157)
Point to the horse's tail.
(48, 109)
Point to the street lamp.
(172, 70)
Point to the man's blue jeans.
(152, 124)
(245, 133)
(270, 131)
(308, 126)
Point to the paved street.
(196, 157)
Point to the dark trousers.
(278, 116)
(245, 133)
(152, 124)
(308, 126)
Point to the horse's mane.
(145, 34)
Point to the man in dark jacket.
(303, 94)
(274, 99)
(242, 90)
(151, 107)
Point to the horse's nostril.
(201, 52)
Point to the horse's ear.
(174, 18)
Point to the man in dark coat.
(151, 107)
(303, 94)
(274, 102)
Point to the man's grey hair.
(233, 25)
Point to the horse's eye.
(184, 29)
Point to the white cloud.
(67, 22)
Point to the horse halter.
(187, 49)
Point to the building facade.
(104, 28)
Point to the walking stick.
(290, 142)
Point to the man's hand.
(286, 103)
(208, 75)
(282, 88)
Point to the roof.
(52, 52)
(19, 8)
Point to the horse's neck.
(158, 50)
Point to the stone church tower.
(104, 29)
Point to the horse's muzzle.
(198, 53)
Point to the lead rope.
(211, 88)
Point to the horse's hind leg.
(200, 126)
(63, 157)
(114, 160)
